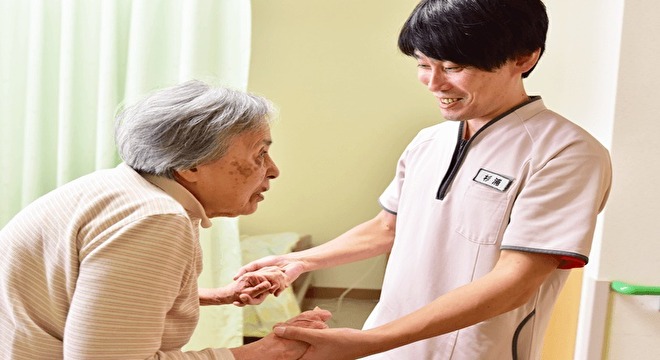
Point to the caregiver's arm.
(369, 239)
(515, 279)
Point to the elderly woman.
(106, 266)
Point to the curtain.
(64, 68)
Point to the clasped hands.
(299, 337)
(254, 282)
(250, 288)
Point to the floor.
(346, 312)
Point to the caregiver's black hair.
(480, 33)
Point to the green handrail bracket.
(630, 289)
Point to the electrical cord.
(337, 305)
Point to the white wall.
(577, 74)
(350, 102)
(630, 249)
(601, 71)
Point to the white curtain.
(66, 65)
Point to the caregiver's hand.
(291, 267)
(335, 344)
(273, 347)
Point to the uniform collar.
(525, 110)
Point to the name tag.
(496, 181)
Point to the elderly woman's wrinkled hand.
(292, 267)
(311, 319)
(255, 286)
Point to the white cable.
(341, 297)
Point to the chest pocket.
(482, 214)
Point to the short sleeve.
(389, 199)
(556, 211)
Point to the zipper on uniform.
(456, 160)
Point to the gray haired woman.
(106, 266)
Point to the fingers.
(253, 266)
(270, 279)
(274, 274)
(304, 327)
(256, 265)
(323, 314)
(250, 290)
(276, 271)
(275, 290)
(312, 319)
(246, 299)
(304, 323)
(316, 314)
(294, 333)
(261, 287)
(258, 289)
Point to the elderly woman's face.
(235, 183)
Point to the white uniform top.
(104, 267)
(530, 181)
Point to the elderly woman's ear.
(189, 175)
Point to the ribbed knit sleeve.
(104, 267)
(134, 287)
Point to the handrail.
(630, 289)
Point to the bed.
(259, 320)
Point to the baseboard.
(331, 293)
